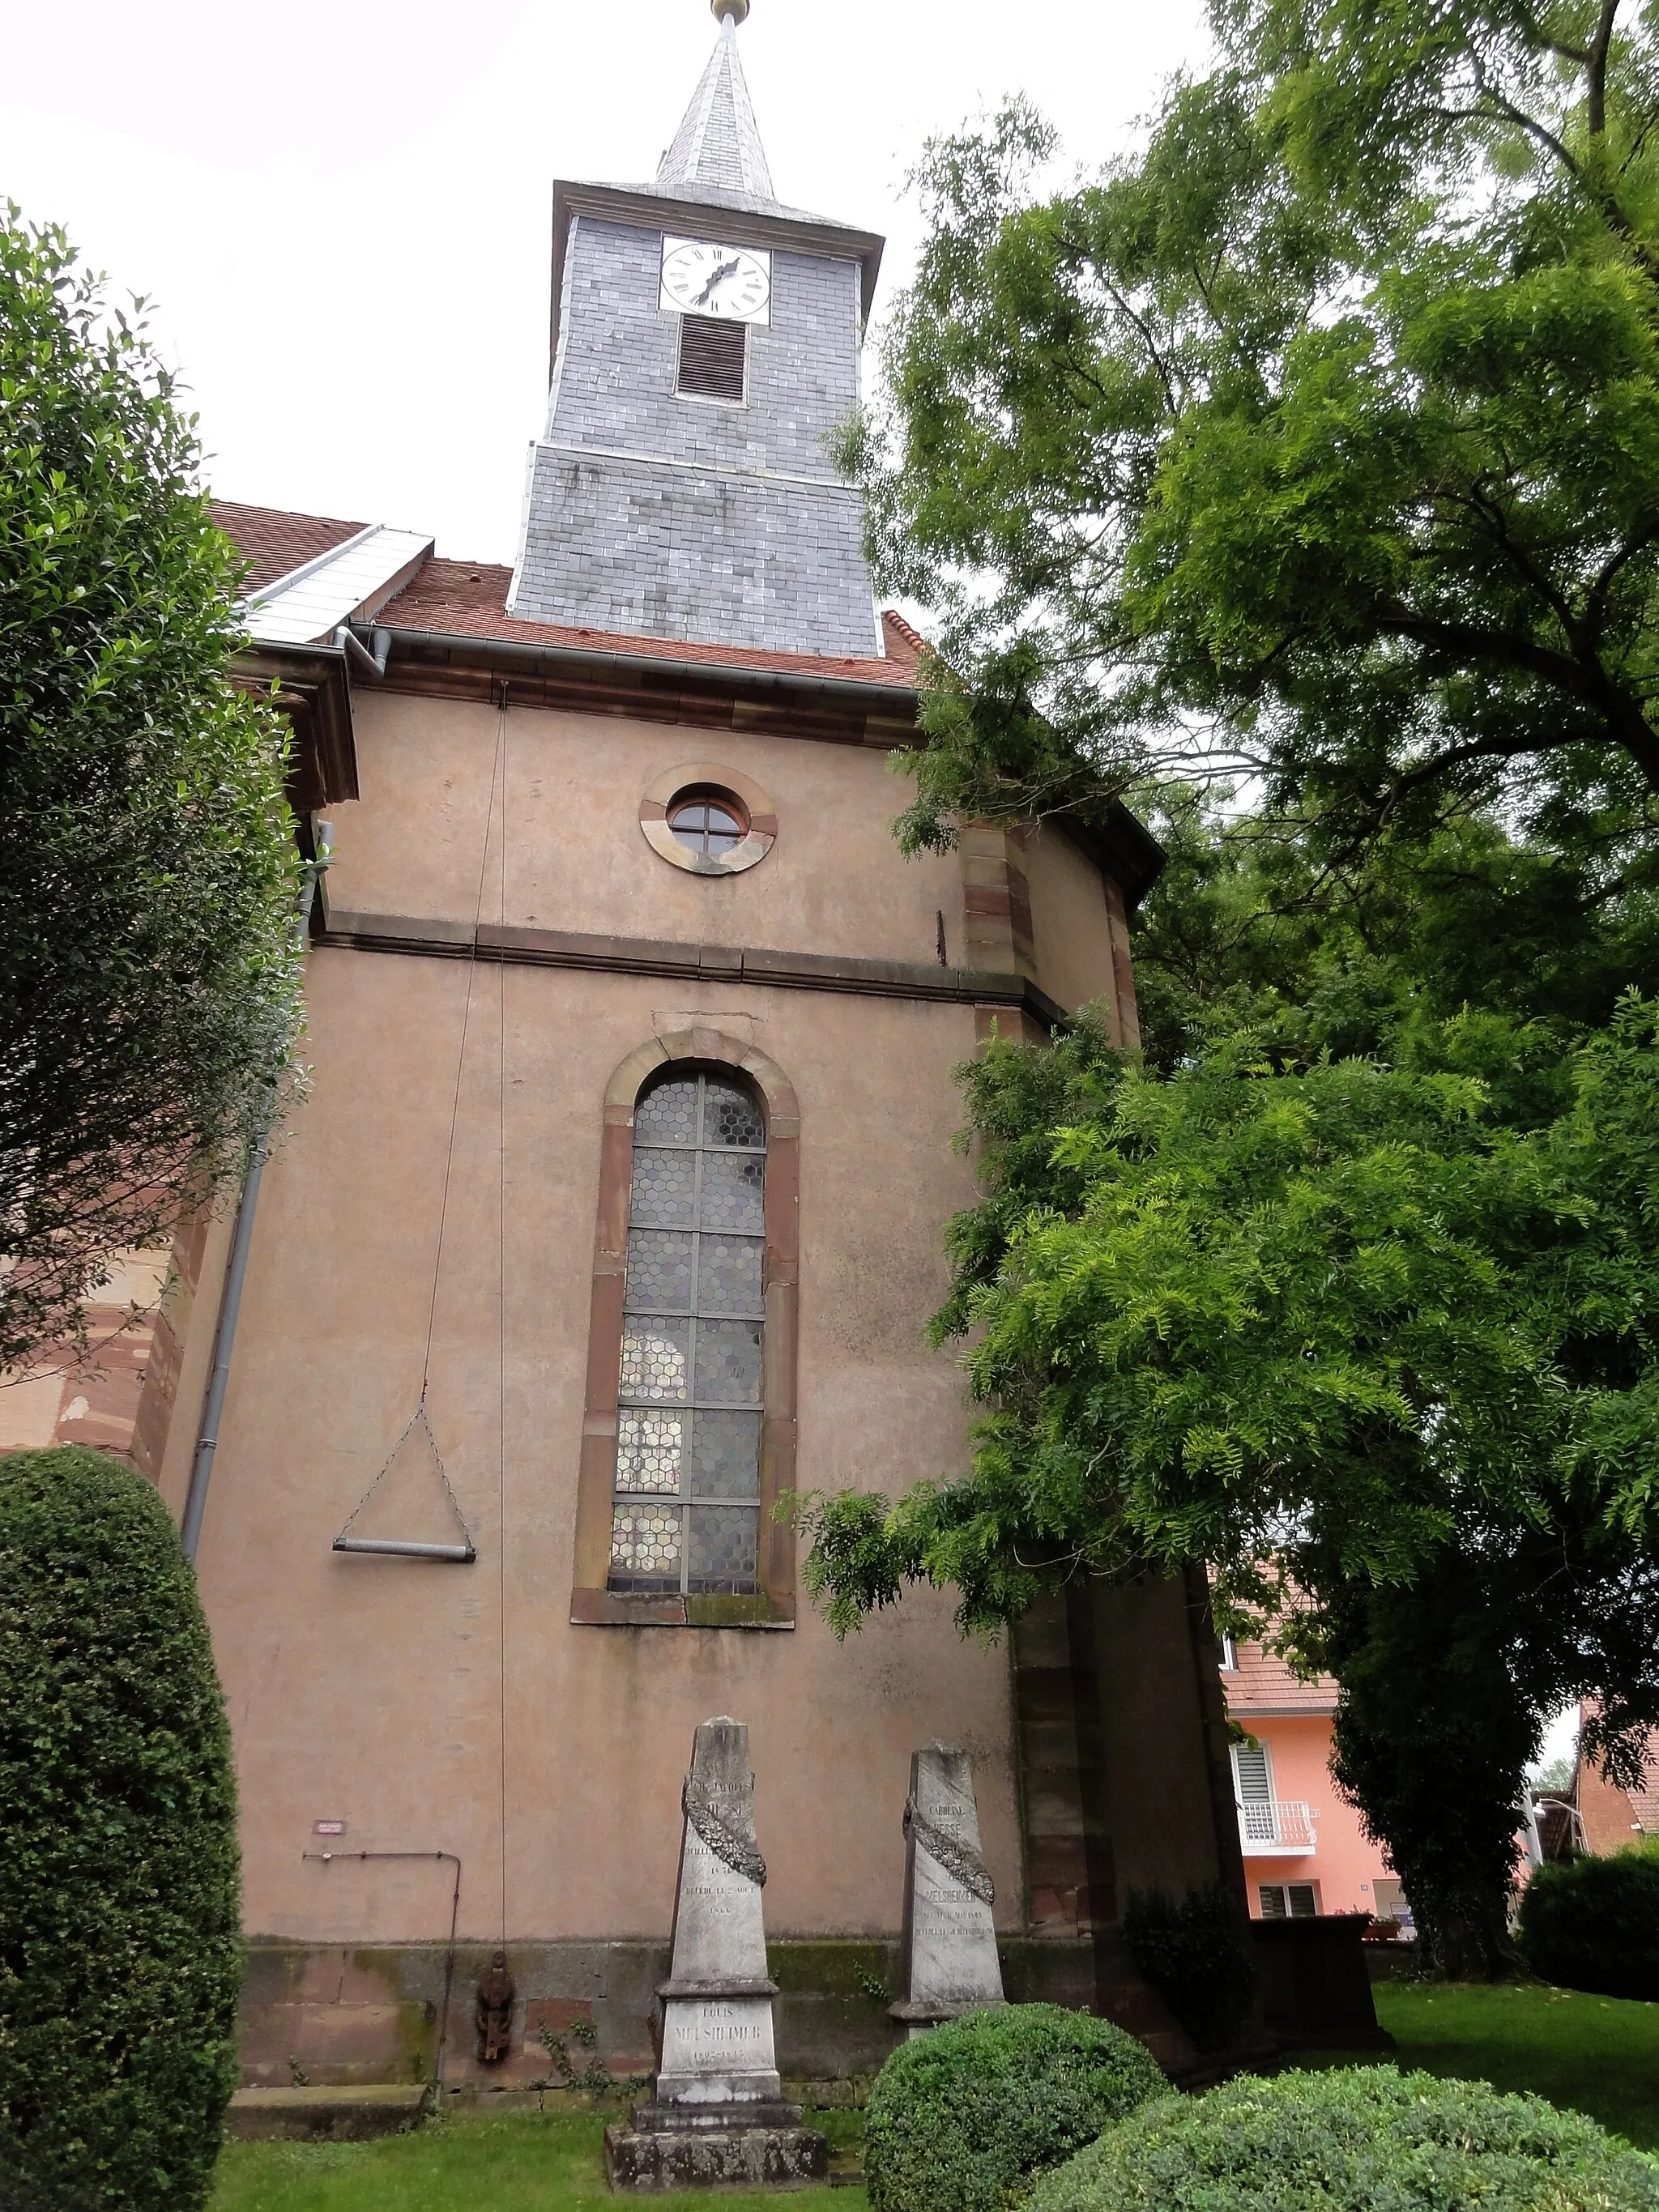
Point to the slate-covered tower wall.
(719, 521)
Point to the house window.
(685, 1507)
(1253, 1776)
(1289, 1901)
(1229, 1655)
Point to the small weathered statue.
(496, 1994)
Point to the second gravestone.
(718, 2116)
(950, 1962)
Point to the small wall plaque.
(331, 1828)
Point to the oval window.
(707, 818)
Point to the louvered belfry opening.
(714, 355)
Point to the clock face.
(732, 281)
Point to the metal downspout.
(230, 1301)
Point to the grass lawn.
(1599, 2055)
(509, 2163)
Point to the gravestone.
(719, 2116)
(950, 1963)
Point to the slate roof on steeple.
(719, 142)
(715, 158)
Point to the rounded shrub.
(120, 1950)
(961, 2119)
(1594, 1925)
(1364, 2139)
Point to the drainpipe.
(241, 1241)
(372, 664)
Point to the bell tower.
(705, 346)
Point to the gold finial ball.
(730, 11)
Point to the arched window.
(686, 1496)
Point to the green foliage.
(592, 2075)
(962, 2118)
(1593, 1924)
(1193, 1954)
(148, 977)
(1214, 1305)
(1318, 438)
(1363, 2140)
(120, 1949)
(1464, 947)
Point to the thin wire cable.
(461, 1061)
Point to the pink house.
(1305, 1852)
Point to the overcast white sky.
(342, 209)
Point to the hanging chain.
(417, 1420)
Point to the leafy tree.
(1525, 944)
(1321, 437)
(1339, 1323)
(148, 986)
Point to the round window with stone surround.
(707, 819)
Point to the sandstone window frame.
(696, 1051)
(700, 778)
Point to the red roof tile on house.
(468, 598)
(277, 541)
(1262, 1684)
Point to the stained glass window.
(686, 1510)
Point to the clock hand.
(726, 269)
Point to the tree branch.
(1627, 727)
(1596, 69)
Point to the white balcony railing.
(1274, 1825)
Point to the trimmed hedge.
(121, 1945)
(1594, 1925)
(961, 2119)
(1364, 2139)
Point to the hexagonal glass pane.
(659, 1271)
(732, 1191)
(725, 1456)
(654, 1357)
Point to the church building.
(610, 1213)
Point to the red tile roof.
(277, 541)
(468, 598)
(1263, 1684)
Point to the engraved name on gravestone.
(717, 2043)
(950, 1964)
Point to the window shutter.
(1303, 1900)
(1272, 1901)
(714, 355)
(1251, 1773)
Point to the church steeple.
(717, 144)
(705, 350)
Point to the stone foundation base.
(670, 2147)
(339, 2115)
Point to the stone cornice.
(917, 982)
